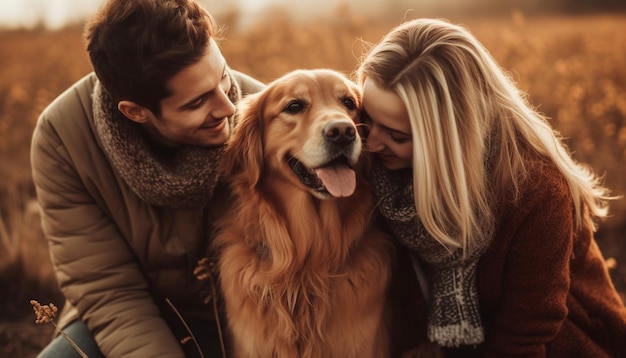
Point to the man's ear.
(134, 111)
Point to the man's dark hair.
(136, 46)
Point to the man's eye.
(294, 107)
(198, 103)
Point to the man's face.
(197, 111)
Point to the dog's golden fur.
(303, 273)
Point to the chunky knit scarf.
(454, 316)
(174, 177)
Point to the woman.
(485, 194)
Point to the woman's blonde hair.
(472, 129)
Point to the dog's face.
(301, 127)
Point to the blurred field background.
(571, 63)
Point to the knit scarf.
(182, 177)
(454, 316)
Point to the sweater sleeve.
(95, 268)
(536, 272)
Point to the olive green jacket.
(116, 257)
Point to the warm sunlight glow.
(54, 14)
(51, 13)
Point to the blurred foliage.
(571, 67)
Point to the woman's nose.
(373, 141)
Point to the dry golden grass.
(572, 68)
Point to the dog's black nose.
(340, 132)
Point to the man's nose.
(222, 106)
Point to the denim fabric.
(205, 333)
(78, 332)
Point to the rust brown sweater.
(544, 289)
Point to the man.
(125, 166)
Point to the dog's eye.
(349, 103)
(294, 107)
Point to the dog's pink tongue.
(339, 180)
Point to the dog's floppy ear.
(243, 158)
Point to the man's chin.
(212, 138)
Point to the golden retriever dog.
(303, 270)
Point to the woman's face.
(389, 127)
